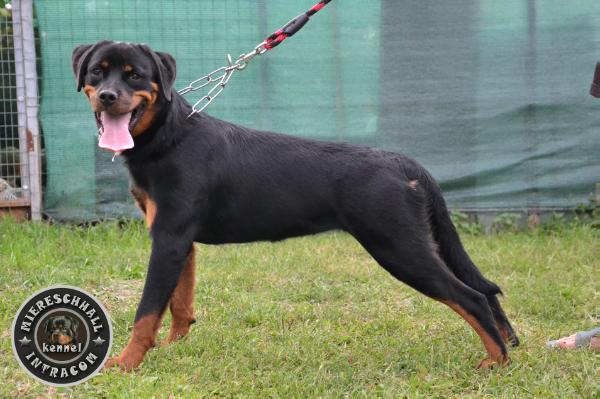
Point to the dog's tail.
(450, 247)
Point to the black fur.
(215, 182)
(61, 325)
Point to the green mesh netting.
(490, 96)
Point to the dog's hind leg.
(421, 269)
(508, 334)
(399, 239)
(455, 256)
(182, 301)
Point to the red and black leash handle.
(221, 76)
(293, 26)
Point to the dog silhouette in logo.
(62, 330)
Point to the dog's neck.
(167, 128)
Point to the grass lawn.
(316, 317)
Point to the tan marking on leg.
(139, 196)
(150, 212)
(142, 339)
(146, 328)
(146, 205)
(182, 300)
(494, 351)
(503, 331)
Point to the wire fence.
(11, 181)
(20, 143)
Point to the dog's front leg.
(170, 248)
(182, 301)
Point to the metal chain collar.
(221, 76)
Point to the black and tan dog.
(61, 330)
(200, 179)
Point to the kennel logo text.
(61, 335)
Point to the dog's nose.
(108, 97)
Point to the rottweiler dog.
(201, 179)
(62, 330)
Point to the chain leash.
(219, 78)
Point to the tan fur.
(494, 351)
(148, 117)
(142, 339)
(151, 210)
(182, 301)
(128, 104)
(145, 204)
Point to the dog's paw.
(178, 331)
(123, 363)
(175, 335)
(513, 340)
(489, 363)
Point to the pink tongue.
(115, 132)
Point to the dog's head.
(126, 84)
(62, 330)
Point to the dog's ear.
(80, 58)
(73, 330)
(167, 73)
(49, 326)
(167, 70)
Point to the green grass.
(316, 317)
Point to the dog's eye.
(96, 71)
(135, 76)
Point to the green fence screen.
(491, 96)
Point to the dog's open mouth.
(115, 130)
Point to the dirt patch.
(119, 294)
